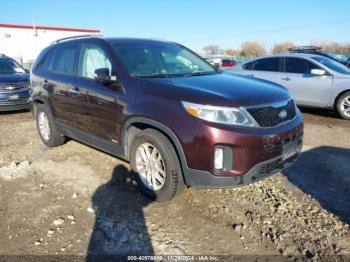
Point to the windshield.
(334, 65)
(161, 60)
(342, 59)
(9, 66)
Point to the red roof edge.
(50, 28)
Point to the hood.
(13, 78)
(219, 89)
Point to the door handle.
(74, 90)
(251, 75)
(285, 78)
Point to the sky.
(194, 23)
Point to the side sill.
(89, 139)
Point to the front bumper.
(256, 153)
(260, 171)
(21, 102)
(14, 106)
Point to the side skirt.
(102, 144)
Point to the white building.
(24, 42)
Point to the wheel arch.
(137, 124)
(39, 100)
(338, 96)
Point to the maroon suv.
(178, 120)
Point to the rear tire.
(154, 160)
(47, 130)
(343, 105)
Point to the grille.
(16, 86)
(270, 167)
(268, 116)
(275, 165)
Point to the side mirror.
(318, 72)
(102, 74)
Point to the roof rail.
(304, 48)
(74, 37)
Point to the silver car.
(312, 80)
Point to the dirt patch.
(77, 200)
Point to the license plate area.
(289, 150)
(13, 97)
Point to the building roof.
(50, 28)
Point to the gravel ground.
(75, 200)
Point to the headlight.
(224, 115)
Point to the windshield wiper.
(155, 76)
(199, 74)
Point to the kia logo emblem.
(282, 114)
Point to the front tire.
(47, 130)
(154, 160)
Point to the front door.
(104, 108)
(306, 88)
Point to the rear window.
(64, 60)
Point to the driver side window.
(299, 66)
(92, 57)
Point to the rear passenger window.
(64, 60)
(267, 64)
(299, 66)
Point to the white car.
(312, 80)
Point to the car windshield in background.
(334, 65)
(8, 66)
(161, 60)
(342, 59)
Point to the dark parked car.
(228, 63)
(318, 51)
(178, 120)
(221, 61)
(14, 83)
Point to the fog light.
(219, 158)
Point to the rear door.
(53, 77)
(306, 88)
(268, 68)
(68, 104)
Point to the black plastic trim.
(91, 140)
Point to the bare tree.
(252, 49)
(212, 50)
(332, 47)
(347, 48)
(232, 52)
(282, 47)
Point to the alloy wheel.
(43, 124)
(345, 106)
(150, 166)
